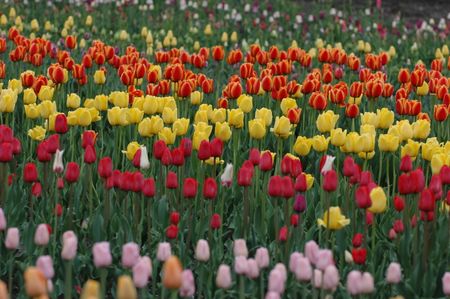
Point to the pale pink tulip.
(130, 254)
(102, 254)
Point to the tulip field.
(223, 149)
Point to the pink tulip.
(70, 244)
(130, 254)
(353, 282)
(330, 278)
(276, 281)
(41, 236)
(293, 260)
(446, 283)
(12, 238)
(240, 248)
(367, 284)
(45, 264)
(202, 251)
(394, 273)
(324, 259)
(142, 271)
(164, 251)
(311, 250)
(187, 288)
(223, 278)
(50, 285)
(303, 271)
(240, 265)
(272, 295)
(3, 222)
(282, 268)
(252, 269)
(102, 254)
(262, 257)
(317, 279)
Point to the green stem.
(103, 276)
(68, 281)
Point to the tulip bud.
(45, 264)
(330, 278)
(274, 187)
(262, 257)
(406, 164)
(210, 188)
(330, 181)
(266, 162)
(12, 238)
(187, 288)
(164, 251)
(35, 282)
(367, 283)
(353, 282)
(102, 254)
(393, 273)
(300, 203)
(311, 251)
(223, 278)
(90, 155)
(3, 222)
(69, 247)
(240, 248)
(324, 259)
(240, 265)
(446, 283)
(227, 176)
(72, 172)
(276, 282)
(171, 180)
(202, 251)
(130, 254)
(61, 124)
(215, 221)
(30, 174)
(142, 271)
(126, 288)
(105, 167)
(172, 269)
(41, 236)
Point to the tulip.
(393, 273)
(171, 180)
(326, 121)
(105, 167)
(299, 203)
(45, 264)
(72, 172)
(446, 283)
(216, 147)
(244, 177)
(126, 288)
(12, 238)
(90, 155)
(378, 199)
(35, 282)
(215, 222)
(102, 255)
(333, 219)
(262, 257)
(406, 164)
(163, 252)
(330, 181)
(144, 163)
(366, 283)
(303, 270)
(426, 201)
(130, 254)
(252, 269)
(359, 255)
(142, 271)
(41, 236)
(227, 176)
(210, 188)
(187, 288)
(202, 251)
(69, 246)
(353, 282)
(223, 278)
(172, 231)
(30, 173)
(276, 281)
(266, 162)
(91, 289)
(240, 265)
(282, 127)
(330, 278)
(2, 220)
(327, 164)
(240, 248)
(172, 269)
(324, 259)
(274, 187)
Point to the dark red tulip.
(127, 181)
(294, 220)
(11, 177)
(369, 218)
(406, 164)
(286, 165)
(254, 156)
(359, 255)
(148, 188)
(399, 203)
(274, 187)
(435, 186)
(357, 240)
(426, 201)
(330, 181)
(362, 197)
(30, 174)
(171, 180)
(296, 167)
(60, 183)
(366, 178)
(190, 186)
(72, 172)
(43, 154)
(204, 150)
(58, 210)
(248, 164)
(349, 166)
(210, 188)
(177, 156)
(90, 156)
(216, 222)
(138, 181)
(36, 189)
(301, 184)
(6, 152)
(300, 203)
(137, 159)
(445, 175)
(186, 146)
(88, 138)
(52, 143)
(17, 147)
(427, 216)
(172, 231)
(447, 198)
(174, 218)
(287, 187)
(159, 148)
(166, 159)
(61, 124)
(244, 177)
(404, 184)
(398, 226)
(283, 234)
(266, 162)
(216, 147)
(105, 167)
(6, 134)
(417, 180)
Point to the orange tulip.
(171, 277)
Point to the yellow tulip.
(196, 97)
(117, 116)
(8, 100)
(326, 121)
(245, 103)
(88, 21)
(131, 150)
(222, 131)
(212, 161)
(46, 108)
(437, 161)
(367, 142)
(126, 288)
(234, 37)
(367, 129)
(282, 127)
(101, 102)
(150, 105)
(379, 201)
(257, 129)
(338, 137)
(430, 148)
(99, 77)
(302, 146)
(206, 107)
(421, 129)
(37, 133)
(385, 117)
(169, 115)
(445, 50)
(72, 118)
(411, 148)
(73, 101)
(264, 114)
(208, 30)
(224, 37)
(236, 118)
(309, 181)
(204, 128)
(320, 143)
(197, 138)
(405, 130)
(370, 118)
(352, 100)
(15, 85)
(89, 103)
(167, 135)
(423, 90)
(119, 98)
(29, 97)
(46, 93)
(366, 155)
(201, 116)
(31, 111)
(134, 115)
(286, 104)
(218, 115)
(181, 126)
(145, 128)
(367, 48)
(333, 219)
(352, 144)
(388, 143)
(91, 290)
(83, 116)
(138, 103)
(51, 121)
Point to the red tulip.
(426, 201)
(174, 218)
(301, 184)
(406, 164)
(30, 174)
(52, 143)
(362, 197)
(287, 187)
(60, 183)
(6, 152)
(366, 178)
(266, 162)
(166, 159)
(254, 156)
(58, 210)
(158, 149)
(369, 218)
(210, 188)
(105, 167)
(417, 180)
(404, 184)
(61, 124)
(283, 234)
(330, 181)
(137, 159)
(72, 172)
(398, 226)
(171, 180)
(204, 150)
(296, 167)
(137, 181)
(90, 155)
(445, 175)
(286, 165)
(427, 216)
(190, 186)
(148, 188)
(43, 154)
(357, 240)
(245, 176)
(294, 220)
(435, 186)
(172, 231)
(177, 156)
(36, 189)
(349, 166)
(300, 203)
(399, 203)
(216, 147)
(186, 146)
(274, 187)
(215, 221)
(88, 138)
(17, 147)
(359, 255)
